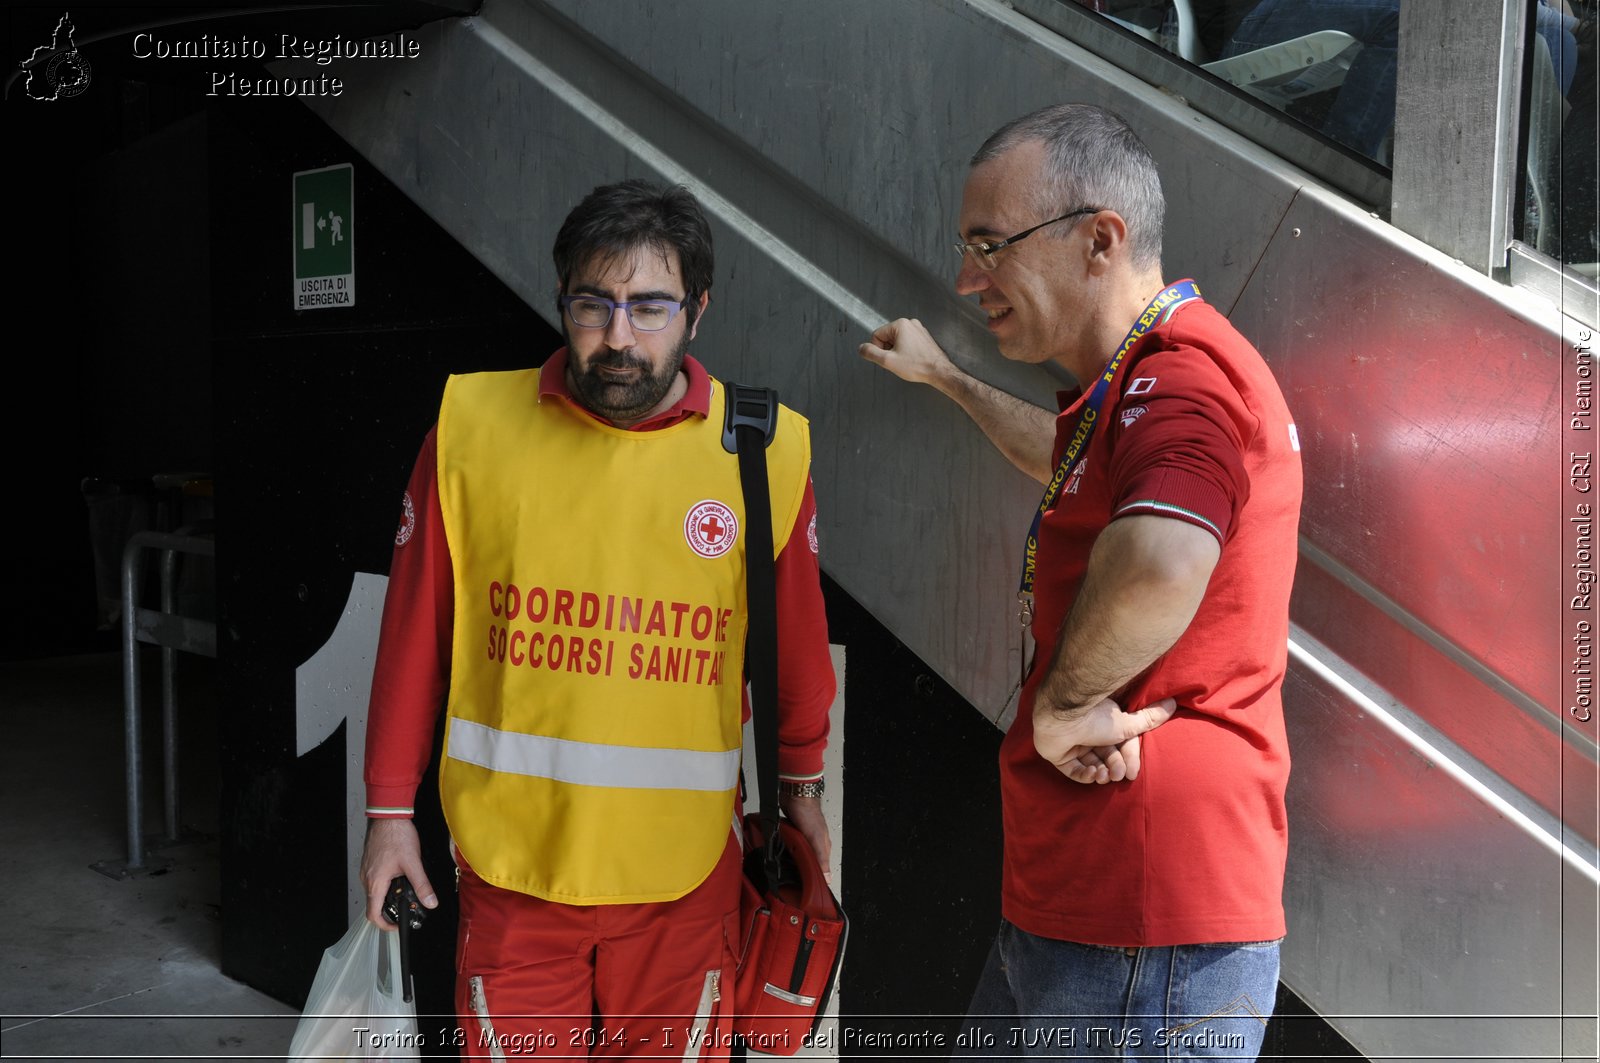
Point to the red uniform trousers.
(536, 978)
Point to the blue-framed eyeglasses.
(646, 315)
(983, 251)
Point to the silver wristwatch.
(808, 788)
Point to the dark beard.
(623, 403)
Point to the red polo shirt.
(1193, 849)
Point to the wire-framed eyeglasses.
(645, 315)
(983, 251)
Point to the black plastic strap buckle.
(749, 407)
(772, 851)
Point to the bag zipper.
(802, 959)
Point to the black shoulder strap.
(748, 427)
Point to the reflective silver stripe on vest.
(592, 763)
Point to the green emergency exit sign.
(324, 238)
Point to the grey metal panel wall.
(856, 172)
(1421, 922)
(1430, 410)
(876, 107)
(1430, 404)
(1455, 151)
(829, 141)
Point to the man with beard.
(569, 577)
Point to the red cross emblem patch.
(710, 528)
(408, 521)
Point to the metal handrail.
(174, 633)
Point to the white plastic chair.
(1277, 74)
(1547, 112)
(1282, 73)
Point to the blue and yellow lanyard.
(1160, 309)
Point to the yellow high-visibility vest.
(593, 734)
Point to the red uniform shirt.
(412, 672)
(1192, 850)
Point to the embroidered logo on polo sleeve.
(711, 529)
(408, 520)
(811, 533)
(1133, 413)
(1075, 480)
(1141, 386)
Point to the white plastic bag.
(356, 1010)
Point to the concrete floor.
(96, 967)
(92, 967)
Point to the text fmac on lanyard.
(1160, 308)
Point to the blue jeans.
(1362, 114)
(1039, 998)
(1559, 36)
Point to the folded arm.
(1146, 578)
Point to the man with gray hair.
(1143, 778)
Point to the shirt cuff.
(1180, 495)
(391, 802)
(801, 763)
